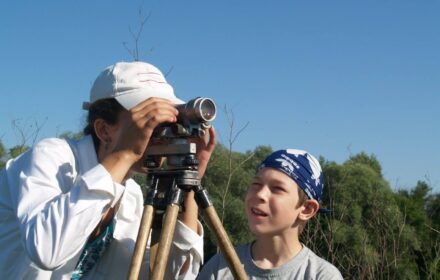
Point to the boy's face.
(271, 203)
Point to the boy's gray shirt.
(305, 265)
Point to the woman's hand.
(133, 132)
(138, 125)
(205, 148)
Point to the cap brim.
(130, 100)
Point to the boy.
(283, 196)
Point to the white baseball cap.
(130, 83)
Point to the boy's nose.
(262, 193)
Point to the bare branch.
(136, 35)
(27, 134)
(240, 131)
(169, 71)
(231, 170)
(433, 229)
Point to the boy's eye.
(278, 189)
(255, 185)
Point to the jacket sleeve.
(56, 209)
(187, 246)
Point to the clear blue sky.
(332, 77)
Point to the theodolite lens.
(207, 109)
(197, 110)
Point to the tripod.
(166, 189)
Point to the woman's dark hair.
(106, 109)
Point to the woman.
(70, 210)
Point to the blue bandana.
(301, 166)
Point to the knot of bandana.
(301, 166)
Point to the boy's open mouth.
(258, 212)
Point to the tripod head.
(179, 153)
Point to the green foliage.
(433, 210)
(2, 149)
(363, 158)
(367, 235)
(17, 150)
(13, 152)
(259, 154)
(71, 135)
(2, 155)
(421, 214)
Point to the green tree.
(71, 135)
(433, 210)
(433, 247)
(365, 235)
(17, 150)
(2, 155)
(420, 208)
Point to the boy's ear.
(309, 209)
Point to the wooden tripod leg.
(141, 242)
(154, 245)
(225, 244)
(166, 239)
